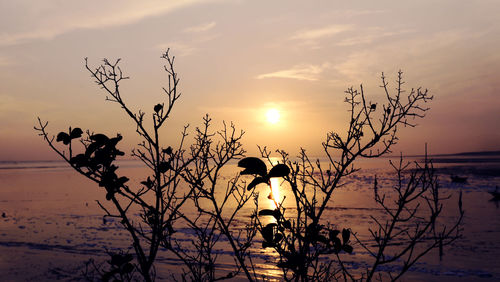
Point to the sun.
(273, 116)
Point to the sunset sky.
(238, 59)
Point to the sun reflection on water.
(275, 190)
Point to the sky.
(238, 59)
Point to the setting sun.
(272, 116)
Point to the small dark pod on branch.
(158, 108)
(373, 107)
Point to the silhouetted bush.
(309, 247)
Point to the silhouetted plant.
(160, 198)
(189, 175)
(217, 207)
(412, 227)
(303, 239)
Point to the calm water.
(52, 224)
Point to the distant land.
(464, 157)
(469, 154)
(480, 153)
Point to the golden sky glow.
(237, 59)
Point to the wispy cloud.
(319, 33)
(354, 13)
(4, 61)
(372, 35)
(178, 48)
(414, 53)
(34, 20)
(186, 47)
(200, 28)
(299, 72)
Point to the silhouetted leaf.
(112, 168)
(277, 214)
(337, 244)
(266, 244)
(279, 170)
(278, 237)
(168, 151)
(79, 160)
(333, 234)
(313, 229)
(127, 268)
(347, 249)
(287, 224)
(99, 138)
(64, 137)
(163, 167)
(268, 232)
(345, 235)
(158, 107)
(102, 157)
(91, 148)
(373, 107)
(266, 212)
(253, 165)
(76, 133)
(108, 275)
(321, 238)
(119, 260)
(256, 181)
(113, 141)
(122, 180)
(148, 183)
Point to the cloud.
(354, 13)
(186, 47)
(422, 54)
(179, 48)
(319, 33)
(299, 72)
(200, 28)
(26, 20)
(4, 61)
(372, 35)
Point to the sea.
(52, 228)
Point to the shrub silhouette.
(309, 247)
